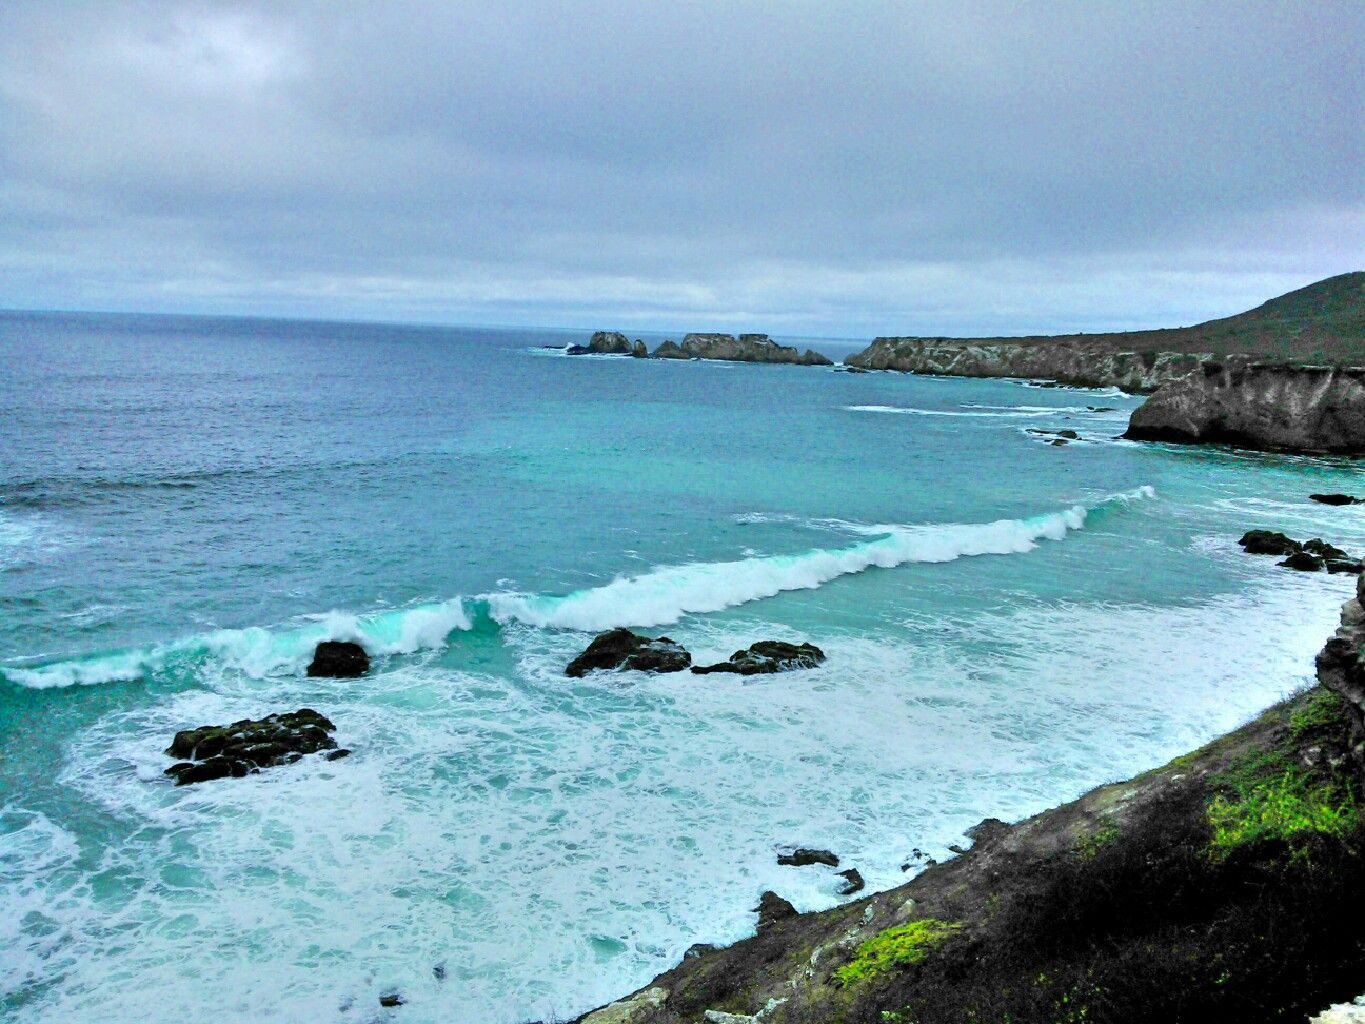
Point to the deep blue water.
(187, 505)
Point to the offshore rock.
(638, 350)
(621, 649)
(767, 656)
(1268, 542)
(216, 752)
(1336, 499)
(802, 857)
(1303, 561)
(1259, 406)
(747, 348)
(337, 659)
(609, 343)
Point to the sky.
(817, 169)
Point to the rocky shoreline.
(1227, 885)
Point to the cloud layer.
(799, 168)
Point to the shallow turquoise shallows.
(188, 505)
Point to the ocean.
(187, 505)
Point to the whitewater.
(187, 506)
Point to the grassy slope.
(1228, 885)
(1322, 323)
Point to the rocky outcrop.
(747, 348)
(1311, 556)
(1260, 406)
(619, 649)
(1067, 361)
(608, 343)
(1341, 669)
(242, 748)
(767, 656)
(1336, 499)
(338, 659)
(802, 857)
(638, 350)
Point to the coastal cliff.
(1066, 360)
(747, 348)
(1276, 408)
(1227, 885)
(1323, 323)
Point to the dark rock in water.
(439, 972)
(1059, 442)
(1318, 546)
(1268, 542)
(339, 660)
(747, 348)
(987, 831)
(1100, 408)
(799, 858)
(767, 656)
(1344, 565)
(578, 350)
(855, 369)
(853, 882)
(216, 752)
(638, 350)
(1303, 561)
(336, 755)
(772, 908)
(389, 999)
(622, 649)
(1336, 499)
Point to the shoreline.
(1150, 895)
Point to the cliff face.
(1066, 361)
(1228, 885)
(1278, 408)
(747, 348)
(1323, 323)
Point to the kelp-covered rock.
(621, 649)
(767, 656)
(219, 751)
(337, 659)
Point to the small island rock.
(622, 649)
(767, 656)
(336, 659)
(216, 752)
(801, 857)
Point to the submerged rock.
(622, 649)
(219, 751)
(1268, 542)
(767, 656)
(802, 857)
(1336, 499)
(772, 908)
(853, 882)
(337, 659)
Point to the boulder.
(853, 882)
(1344, 565)
(1304, 562)
(337, 659)
(621, 649)
(802, 857)
(638, 350)
(1336, 499)
(218, 751)
(772, 908)
(1318, 546)
(1268, 542)
(767, 656)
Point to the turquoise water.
(187, 505)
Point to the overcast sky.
(840, 169)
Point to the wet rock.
(622, 649)
(801, 857)
(767, 656)
(389, 999)
(1059, 442)
(1336, 499)
(578, 350)
(853, 882)
(217, 752)
(336, 755)
(1303, 561)
(697, 949)
(1339, 566)
(1066, 435)
(987, 831)
(1100, 408)
(772, 908)
(1320, 547)
(337, 659)
(439, 972)
(1268, 542)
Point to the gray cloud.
(799, 168)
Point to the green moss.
(1323, 710)
(1292, 809)
(1088, 846)
(894, 948)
